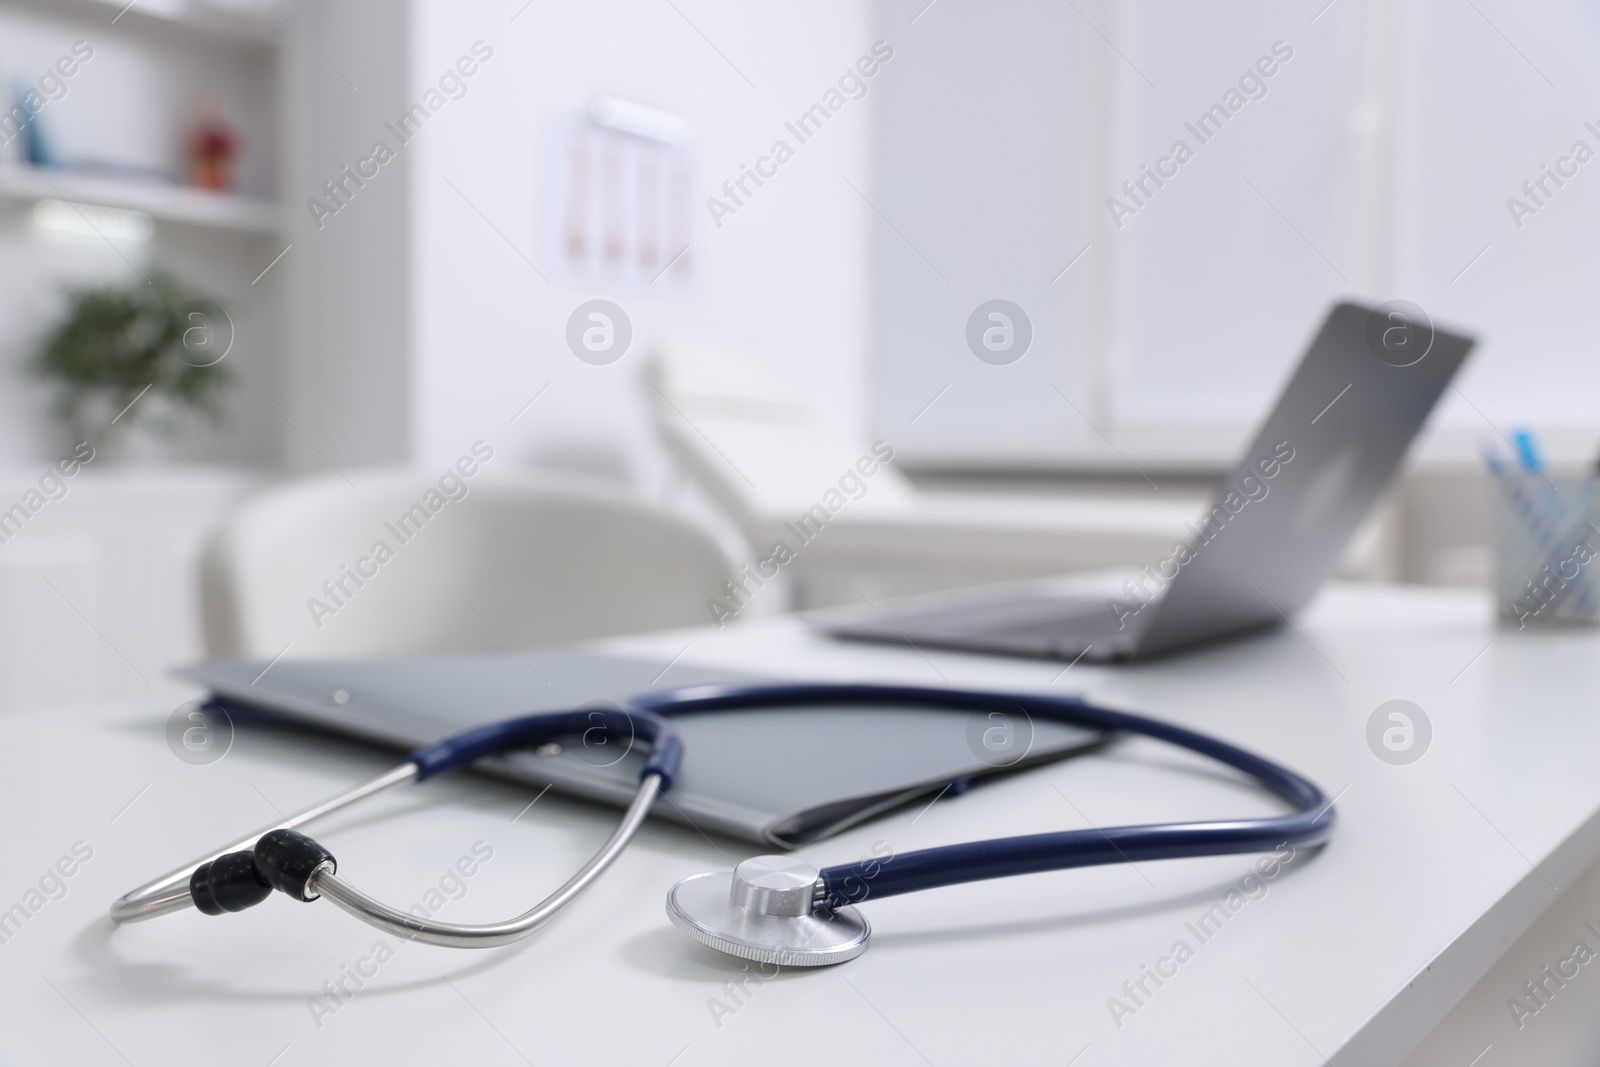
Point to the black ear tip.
(228, 883)
(287, 860)
(282, 860)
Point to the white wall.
(1377, 165)
(982, 184)
(1480, 119)
(481, 332)
(1216, 294)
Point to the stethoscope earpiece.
(246, 872)
(282, 859)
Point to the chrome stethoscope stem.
(489, 935)
(279, 857)
(170, 892)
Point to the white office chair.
(315, 569)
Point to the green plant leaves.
(119, 340)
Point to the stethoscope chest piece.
(769, 909)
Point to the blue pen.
(1525, 509)
(1532, 458)
(1536, 516)
(1528, 450)
(1529, 509)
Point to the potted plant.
(144, 354)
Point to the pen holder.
(1547, 540)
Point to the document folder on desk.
(783, 776)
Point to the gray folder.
(783, 777)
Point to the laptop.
(1275, 529)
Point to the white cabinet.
(98, 593)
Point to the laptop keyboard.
(1069, 619)
(1063, 627)
(1055, 617)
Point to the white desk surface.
(1352, 954)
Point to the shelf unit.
(230, 22)
(164, 203)
(154, 61)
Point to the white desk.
(1354, 954)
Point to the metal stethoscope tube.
(279, 857)
(170, 892)
(489, 935)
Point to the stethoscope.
(770, 909)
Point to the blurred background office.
(703, 256)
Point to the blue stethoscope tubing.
(281, 858)
(1309, 825)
